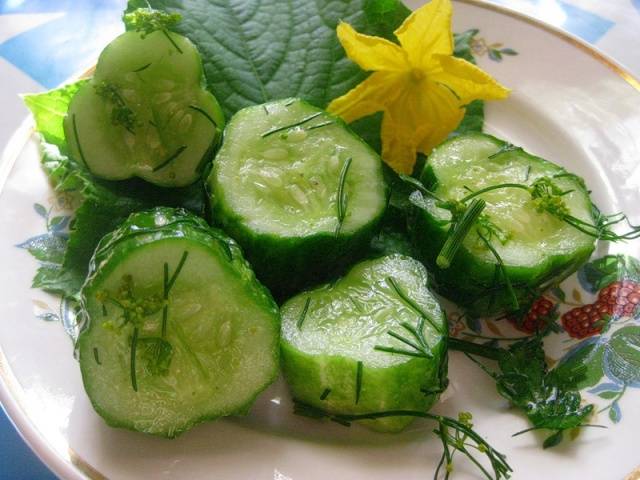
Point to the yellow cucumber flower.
(419, 85)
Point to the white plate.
(569, 105)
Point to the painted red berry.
(537, 318)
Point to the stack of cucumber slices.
(181, 325)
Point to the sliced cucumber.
(145, 112)
(536, 248)
(338, 342)
(297, 189)
(178, 329)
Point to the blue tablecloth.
(45, 42)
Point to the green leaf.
(622, 356)
(258, 50)
(524, 380)
(596, 275)
(553, 440)
(49, 110)
(473, 120)
(52, 278)
(615, 415)
(106, 204)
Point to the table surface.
(45, 42)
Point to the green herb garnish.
(134, 346)
(170, 159)
(359, 369)
(458, 231)
(121, 113)
(303, 313)
(293, 125)
(342, 194)
(524, 379)
(464, 439)
(149, 20)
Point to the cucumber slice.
(338, 342)
(217, 348)
(298, 190)
(537, 248)
(145, 112)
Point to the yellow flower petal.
(371, 53)
(398, 146)
(419, 119)
(368, 97)
(468, 81)
(426, 32)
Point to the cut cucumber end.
(145, 112)
(297, 189)
(536, 248)
(373, 341)
(161, 365)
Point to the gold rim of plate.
(10, 381)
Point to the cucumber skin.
(304, 376)
(288, 265)
(429, 234)
(138, 230)
(306, 373)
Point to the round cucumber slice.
(375, 340)
(298, 190)
(145, 112)
(537, 249)
(178, 330)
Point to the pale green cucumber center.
(287, 181)
(221, 341)
(349, 319)
(167, 120)
(464, 165)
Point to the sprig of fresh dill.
(341, 199)
(121, 113)
(464, 439)
(149, 20)
(292, 125)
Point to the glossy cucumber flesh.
(218, 349)
(536, 248)
(464, 165)
(145, 112)
(287, 181)
(330, 333)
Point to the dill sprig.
(170, 159)
(149, 20)
(292, 125)
(121, 113)
(359, 372)
(303, 313)
(204, 113)
(463, 439)
(325, 393)
(419, 346)
(167, 285)
(134, 347)
(342, 194)
(500, 267)
(458, 231)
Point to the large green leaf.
(258, 50)
(49, 110)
